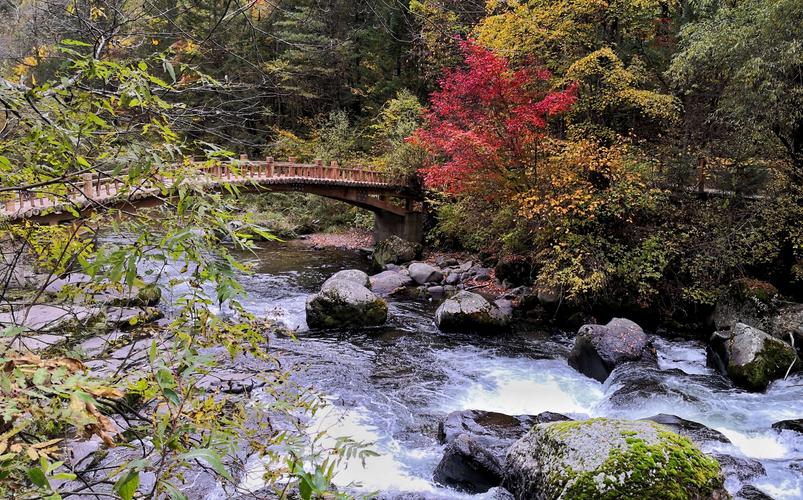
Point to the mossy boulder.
(470, 312)
(394, 250)
(610, 459)
(342, 303)
(750, 357)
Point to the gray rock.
(389, 282)
(37, 343)
(452, 278)
(446, 261)
(435, 292)
(750, 357)
(423, 273)
(504, 305)
(395, 250)
(789, 425)
(497, 430)
(74, 279)
(695, 431)
(598, 349)
(354, 275)
(468, 466)
(342, 303)
(470, 312)
(744, 469)
(750, 492)
(603, 458)
(476, 445)
(45, 317)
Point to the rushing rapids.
(393, 385)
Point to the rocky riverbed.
(414, 390)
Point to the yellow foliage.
(606, 85)
(557, 32)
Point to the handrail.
(98, 187)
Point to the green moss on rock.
(610, 459)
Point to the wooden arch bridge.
(396, 204)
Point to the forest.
(575, 161)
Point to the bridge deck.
(95, 190)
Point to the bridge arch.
(396, 205)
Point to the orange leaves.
(45, 395)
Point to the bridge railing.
(98, 187)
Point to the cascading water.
(393, 385)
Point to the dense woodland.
(638, 157)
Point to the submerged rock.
(423, 273)
(603, 458)
(598, 349)
(395, 250)
(342, 303)
(470, 312)
(750, 357)
(476, 445)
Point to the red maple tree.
(486, 121)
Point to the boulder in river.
(470, 312)
(394, 250)
(355, 275)
(602, 458)
(468, 466)
(342, 303)
(598, 349)
(423, 273)
(750, 357)
(789, 425)
(389, 282)
(476, 445)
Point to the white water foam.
(519, 386)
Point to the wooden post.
(291, 171)
(88, 187)
(319, 168)
(701, 175)
(270, 172)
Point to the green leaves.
(210, 457)
(127, 485)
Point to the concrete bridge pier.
(408, 227)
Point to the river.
(393, 385)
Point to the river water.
(393, 385)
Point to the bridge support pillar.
(408, 227)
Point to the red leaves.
(486, 120)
